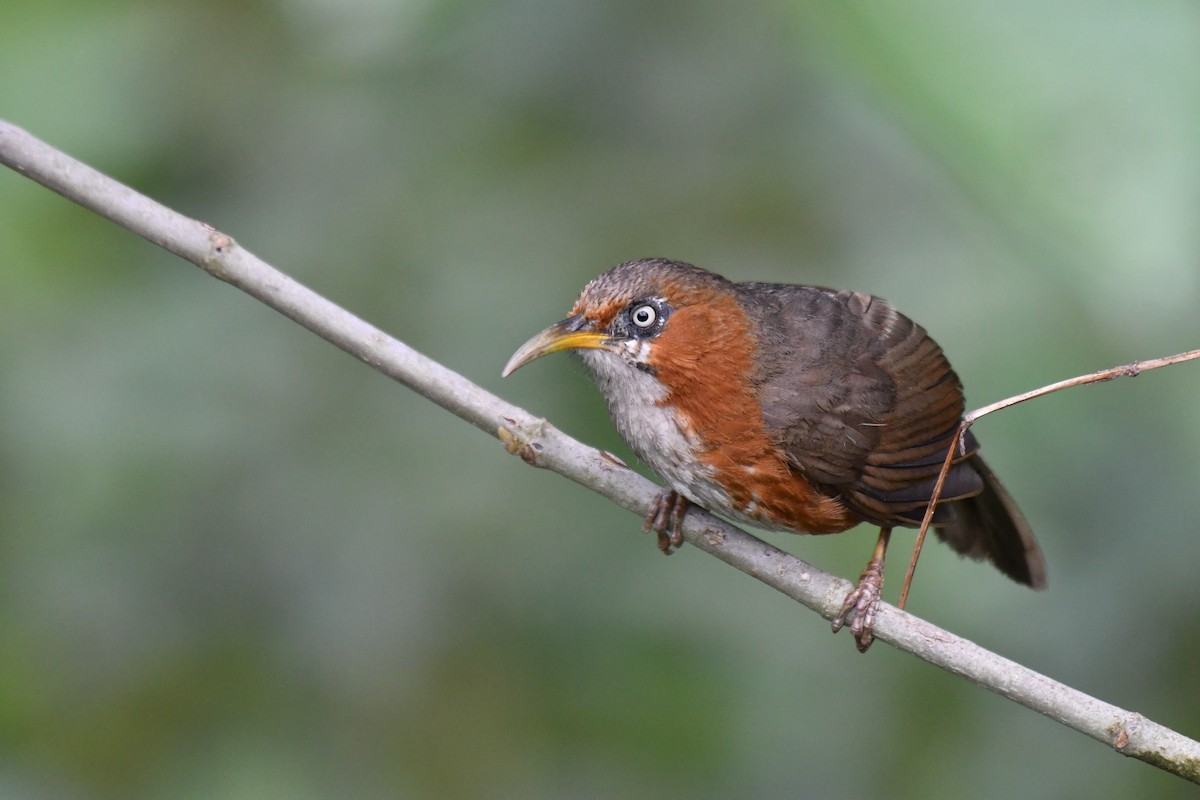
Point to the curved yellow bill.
(559, 336)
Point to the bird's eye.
(644, 316)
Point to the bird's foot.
(860, 606)
(665, 518)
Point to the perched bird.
(791, 408)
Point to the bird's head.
(645, 313)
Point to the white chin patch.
(637, 350)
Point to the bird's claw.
(861, 605)
(665, 518)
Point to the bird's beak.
(565, 335)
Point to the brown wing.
(823, 397)
(899, 473)
(864, 404)
(861, 401)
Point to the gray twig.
(542, 445)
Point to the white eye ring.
(644, 315)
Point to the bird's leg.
(863, 601)
(665, 518)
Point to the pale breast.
(657, 433)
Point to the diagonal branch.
(542, 445)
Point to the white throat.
(656, 432)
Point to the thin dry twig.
(542, 445)
(969, 419)
(1126, 371)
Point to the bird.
(789, 408)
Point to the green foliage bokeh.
(239, 564)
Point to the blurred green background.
(237, 563)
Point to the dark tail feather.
(990, 526)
